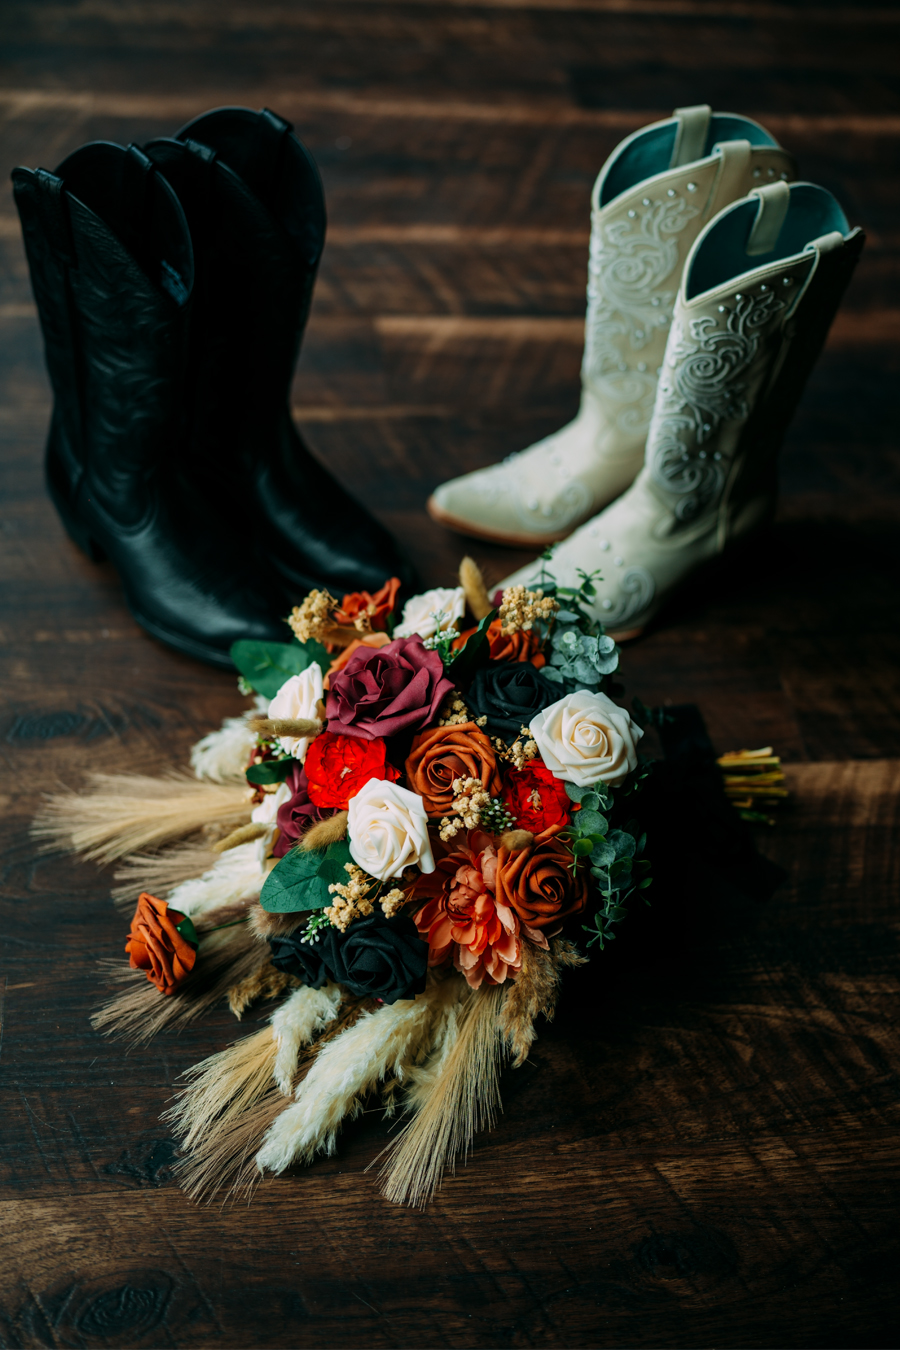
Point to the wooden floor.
(704, 1147)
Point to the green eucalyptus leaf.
(590, 822)
(270, 771)
(624, 844)
(590, 801)
(603, 854)
(581, 847)
(266, 665)
(574, 792)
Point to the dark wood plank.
(703, 1148)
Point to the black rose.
(509, 694)
(296, 957)
(379, 957)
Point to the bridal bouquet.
(420, 824)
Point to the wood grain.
(703, 1148)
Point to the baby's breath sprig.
(314, 617)
(523, 748)
(520, 609)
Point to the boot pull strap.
(137, 170)
(54, 213)
(690, 134)
(774, 200)
(734, 167)
(270, 147)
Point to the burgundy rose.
(296, 815)
(386, 690)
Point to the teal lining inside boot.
(650, 151)
(723, 252)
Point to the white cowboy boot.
(650, 201)
(760, 289)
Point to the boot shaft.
(255, 208)
(760, 291)
(651, 200)
(112, 271)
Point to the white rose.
(300, 696)
(388, 830)
(432, 612)
(265, 813)
(586, 738)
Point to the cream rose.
(388, 830)
(432, 612)
(586, 738)
(300, 696)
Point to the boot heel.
(74, 528)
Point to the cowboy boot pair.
(712, 287)
(173, 284)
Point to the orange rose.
(521, 646)
(375, 607)
(155, 944)
(439, 756)
(539, 884)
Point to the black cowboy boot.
(112, 271)
(253, 200)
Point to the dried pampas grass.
(232, 1100)
(223, 755)
(472, 582)
(232, 883)
(140, 1010)
(379, 1045)
(453, 1094)
(125, 813)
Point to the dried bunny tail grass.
(232, 1101)
(223, 755)
(535, 990)
(265, 924)
(454, 1094)
(286, 726)
(140, 1010)
(472, 582)
(160, 872)
(326, 832)
(254, 829)
(125, 813)
(263, 982)
(378, 1045)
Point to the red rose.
(536, 798)
(338, 766)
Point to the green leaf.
(603, 854)
(188, 931)
(266, 665)
(582, 847)
(333, 867)
(642, 885)
(475, 653)
(590, 801)
(270, 771)
(574, 792)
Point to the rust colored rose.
(519, 646)
(375, 608)
(440, 755)
(539, 883)
(156, 946)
